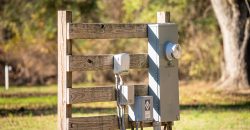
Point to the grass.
(28, 102)
(202, 108)
(214, 120)
(14, 90)
(28, 122)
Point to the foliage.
(197, 28)
(34, 26)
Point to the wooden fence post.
(164, 17)
(64, 76)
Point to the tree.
(234, 21)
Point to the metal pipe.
(169, 125)
(117, 96)
(137, 125)
(165, 127)
(142, 125)
(157, 125)
(132, 126)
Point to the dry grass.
(205, 93)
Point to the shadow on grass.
(233, 107)
(85, 110)
(25, 95)
(51, 111)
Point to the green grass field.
(202, 108)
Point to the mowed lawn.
(202, 108)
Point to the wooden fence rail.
(99, 94)
(103, 62)
(108, 122)
(106, 31)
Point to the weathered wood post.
(164, 17)
(163, 70)
(64, 76)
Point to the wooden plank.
(104, 62)
(93, 123)
(109, 122)
(64, 77)
(99, 94)
(106, 31)
(93, 94)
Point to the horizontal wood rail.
(99, 94)
(106, 31)
(93, 123)
(103, 62)
(109, 122)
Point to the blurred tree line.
(28, 37)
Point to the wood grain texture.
(93, 94)
(106, 31)
(103, 62)
(64, 76)
(99, 94)
(109, 122)
(93, 123)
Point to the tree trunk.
(234, 21)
